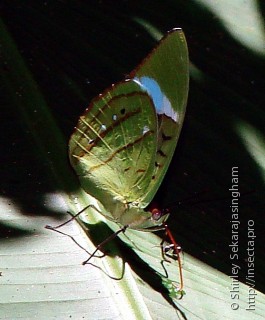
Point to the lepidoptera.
(123, 144)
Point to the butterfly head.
(159, 216)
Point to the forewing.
(164, 76)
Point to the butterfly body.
(124, 142)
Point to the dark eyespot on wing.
(161, 153)
(140, 170)
(165, 137)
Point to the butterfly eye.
(156, 214)
(122, 111)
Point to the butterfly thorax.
(135, 217)
(130, 214)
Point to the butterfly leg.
(177, 250)
(107, 240)
(72, 218)
(68, 221)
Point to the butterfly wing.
(123, 144)
(113, 146)
(164, 75)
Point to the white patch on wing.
(145, 129)
(168, 110)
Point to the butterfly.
(123, 144)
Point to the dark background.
(76, 49)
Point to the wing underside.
(113, 147)
(123, 144)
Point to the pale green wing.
(123, 144)
(113, 146)
(164, 75)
